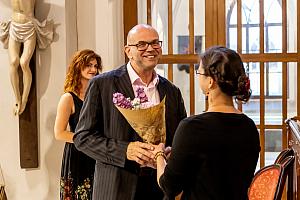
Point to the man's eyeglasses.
(143, 45)
(199, 73)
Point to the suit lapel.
(161, 87)
(123, 83)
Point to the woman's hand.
(159, 148)
(160, 158)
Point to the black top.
(73, 120)
(77, 169)
(214, 156)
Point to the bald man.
(24, 29)
(122, 160)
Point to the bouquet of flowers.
(146, 119)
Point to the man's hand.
(159, 148)
(151, 164)
(140, 152)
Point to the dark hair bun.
(226, 67)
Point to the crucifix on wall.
(20, 35)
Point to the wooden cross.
(28, 132)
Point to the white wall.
(106, 38)
(100, 27)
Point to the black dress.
(77, 170)
(213, 157)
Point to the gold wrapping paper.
(149, 123)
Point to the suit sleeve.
(89, 135)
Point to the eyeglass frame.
(199, 73)
(147, 43)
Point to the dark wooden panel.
(264, 57)
(284, 73)
(298, 56)
(130, 18)
(270, 57)
(149, 8)
(170, 38)
(192, 51)
(28, 132)
(177, 59)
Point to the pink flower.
(141, 95)
(121, 101)
(139, 102)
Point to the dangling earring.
(206, 95)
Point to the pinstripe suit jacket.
(104, 134)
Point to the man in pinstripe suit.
(122, 169)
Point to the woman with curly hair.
(77, 170)
(214, 154)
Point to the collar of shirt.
(137, 81)
(150, 90)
